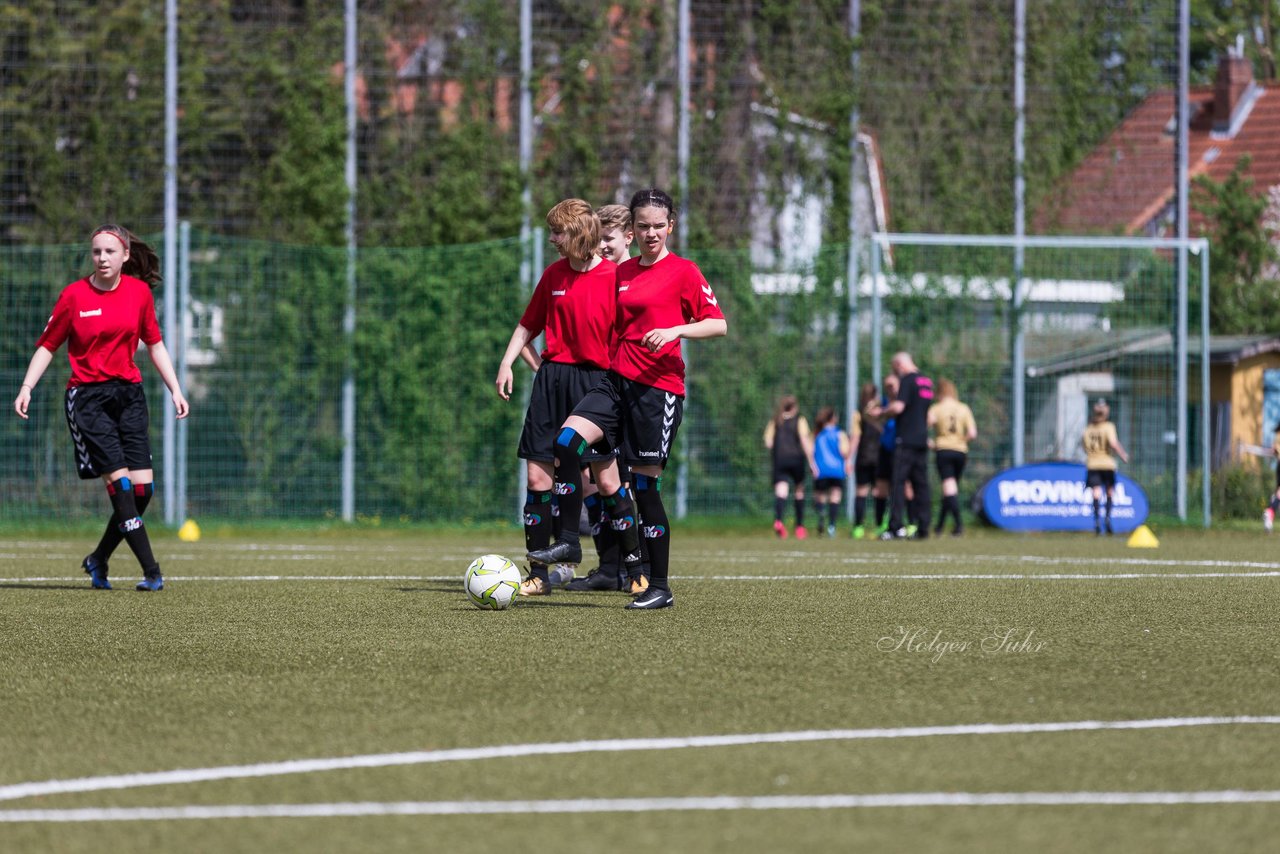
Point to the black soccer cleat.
(599, 578)
(652, 599)
(557, 552)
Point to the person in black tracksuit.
(911, 453)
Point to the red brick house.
(1127, 184)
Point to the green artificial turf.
(241, 661)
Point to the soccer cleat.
(97, 572)
(801, 533)
(151, 583)
(651, 600)
(1268, 520)
(636, 586)
(534, 586)
(560, 575)
(597, 579)
(831, 531)
(900, 534)
(557, 552)
(1109, 531)
(780, 529)
(912, 528)
(859, 532)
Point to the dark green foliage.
(1245, 296)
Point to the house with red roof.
(1127, 184)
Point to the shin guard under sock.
(111, 537)
(131, 527)
(799, 512)
(537, 525)
(859, 510)
(569, 450)
(657, 531)
(779, 508)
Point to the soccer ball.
(491, 582)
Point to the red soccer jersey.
(672, 292)
(576, 311)
(102, 329)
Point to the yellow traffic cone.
(189, 532)
(1142, 538)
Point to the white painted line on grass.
(639, 805)
(422, 757)
(834, 576)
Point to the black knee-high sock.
(833, 509)
(537, 525)
(1108, 508)
(950, 507)
(859, 510)
(657, 530)
(131, 527)
(1096, 510)
(799, 512)
(626, 526)
(779, 507)
(820, 507)
(606, 539)
(882, 504)
(111, 537)
(569, 450)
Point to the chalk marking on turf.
(563, 748)
(835, 576)
(639, 805)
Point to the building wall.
(1247, 400)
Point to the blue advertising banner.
(1052, 497)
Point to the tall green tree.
(1243, 299)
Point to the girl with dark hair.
(866, 457)
(790, 444)
(662, 298)
(102, 317)
(831, 467)
(574, 305)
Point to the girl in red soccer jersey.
(662, 298)
(102, 317)
(574, 305)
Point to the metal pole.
(528, 271)
(1019, 356)
(170, 239)
(682, 193)
(876, 249)
(1206, 421)
(348, 476)
(1184, 53)
(184, 311)
(851, 268)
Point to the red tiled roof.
(1128, 180)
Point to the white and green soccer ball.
(492, 582)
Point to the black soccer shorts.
(1101, 477)
(109, 424)
(950, 463)
(641, 419)
(557, 388)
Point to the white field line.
(638, 805)
(383, 760)
(833, 576)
